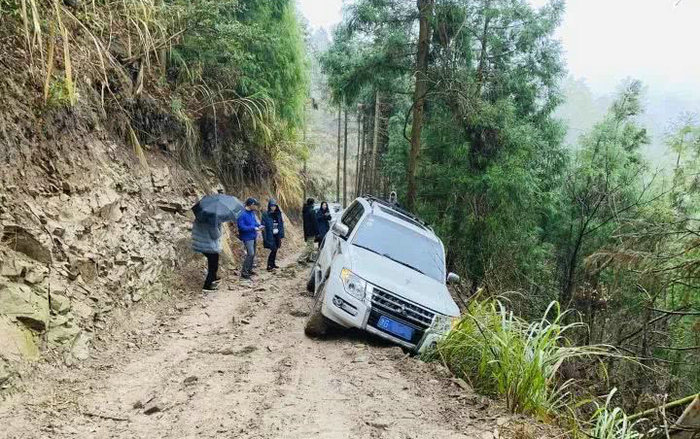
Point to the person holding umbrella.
(273, 233)
(248, 228)
(210, 213)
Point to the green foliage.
(501, 354)
(612, 423)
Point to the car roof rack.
(373, 199)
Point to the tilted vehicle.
(382, 270)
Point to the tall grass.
(501, 354)
(612, 423)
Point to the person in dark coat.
(248, 228)
(206, 239)
(310, 230)
(273, 232)
(323, 221)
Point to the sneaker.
(252, 273)
(275, 266)
(270, 268)
(245, 276)
(212, 287)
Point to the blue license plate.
(395, 328)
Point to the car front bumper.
(350, 312)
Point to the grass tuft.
(612, 423)
(501, 354)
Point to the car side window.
(352, 216)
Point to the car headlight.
(354, 285)
(444, 324)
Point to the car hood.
(402, 281)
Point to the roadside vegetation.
(222, 84)
(588, 227)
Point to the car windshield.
(402, 245)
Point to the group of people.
(206, 237)
(316, 225)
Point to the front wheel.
(317, 323)
(311, 283)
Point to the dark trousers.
(212, 268)
(273, 253)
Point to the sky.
(606, 41)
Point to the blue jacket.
(268, 220)
(247, 223)
(206, 238)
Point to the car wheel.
(317, 324)
(311, 283)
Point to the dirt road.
(236, 363)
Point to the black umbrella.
(217, 208)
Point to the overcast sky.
(606, 41)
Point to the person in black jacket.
(273, 232)
(310, 230)
(323, 221)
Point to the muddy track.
(236, 363)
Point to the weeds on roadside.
(500, 353)
(612, 423)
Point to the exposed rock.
(160, 178)
(152, 408)
(136, 297)
(62, 334)
(81, 346)
(16, 341)
(170, 206)
(191, 380)
(24, 241)
(60, 304)
(20, 302)
(5, 374)
(36, 275)
(12, 269)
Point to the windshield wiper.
(386, 255)
(368, 249)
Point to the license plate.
(395, 328)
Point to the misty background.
(604, 42)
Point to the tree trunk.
(359, 152)
(425, 9)
(482, 56)
(337, 172)
(363, 157)
(375, 143)
(345, 160)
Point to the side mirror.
(452, 278)
(340, 229)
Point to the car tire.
(311, 283)
(317, 323)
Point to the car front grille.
(396, 307)
(373, 320)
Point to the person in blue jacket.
(273, 232)
(323, 220)
(248, 228)
(206, 239)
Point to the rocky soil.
(236, 363)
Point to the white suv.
(382, 270)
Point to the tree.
(425, 9)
